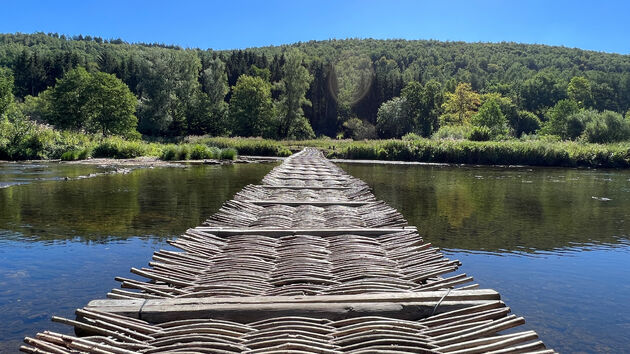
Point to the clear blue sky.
(597, 25)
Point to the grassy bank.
(40, 142)
(534, 153)
(30, 141)
(510, 152)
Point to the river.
(554, 242)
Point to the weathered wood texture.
(307, 262)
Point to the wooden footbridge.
(307, 262)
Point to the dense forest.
(356, 88)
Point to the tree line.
(351, 88)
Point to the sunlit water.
(62, 242)
(554, 242)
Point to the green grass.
(535, 153)
(24, 140)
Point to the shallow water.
(554, 242)
(62, 242)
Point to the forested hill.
(350, 78)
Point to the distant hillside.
(352, 77)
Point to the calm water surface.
(62, 242)
(554, 242)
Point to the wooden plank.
(303, 187)
(411, 306)
(223, 231)
(317, 178)
(307, 202)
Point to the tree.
(526, 123)
(209, 112)
(110, 106)
(293, 86)
(491, 117)
(460, 105)
(563, 122)
(540, 91)
(6, 90)
(508, 108)
(168, 88)
(98, 102)
(358, 129)
(423, 105)
(251, 108)
(579, 90)
(68, 100)
(607, 127)
(392, 120)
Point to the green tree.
(6, 90)
(491, 117)
(293, 86)
(526, 123)
(392, 120)
(210, 110)
(579, 90)
(168, 88)
(358, 129)
(97, 102)
(563, 120)
(508, 108)
(251, 108)
(68, 100)
(607, 127)
(460, 105)
(541, 91)
(262, 73)
(110, 106)
(423, 105)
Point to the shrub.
(214, 152)
(118, 148)
(199, 152)
(490, 117)
(358, 129)
(481, 133)
(169, 152)
(452, 132)
(607, 127)
(70, 155)
(526, 123)
(411, 136)
(228, 154)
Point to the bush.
(199, 152)
(183, 152)
(481, 133)
(452, 132)
(411, 136)
(70, 155)
(228, 154)
(245, 146)
(169, 152)
(534, 152)
(358, 129)
(526, 123)
(119, 148)
(607, 127)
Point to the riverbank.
(509, 152)
(540, 152)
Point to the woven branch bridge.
(307, 262)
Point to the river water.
(554, 242)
